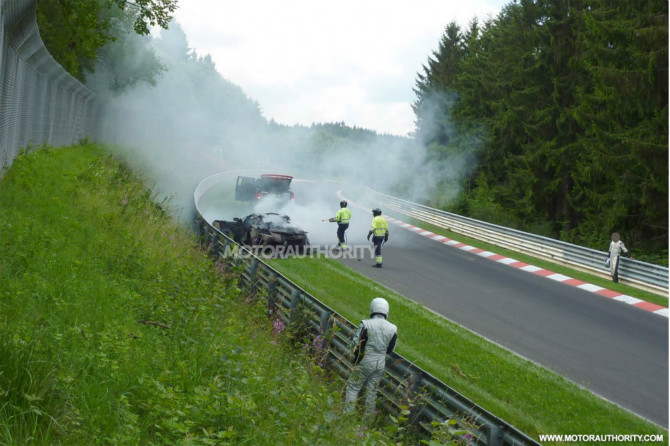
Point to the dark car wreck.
(270, 230)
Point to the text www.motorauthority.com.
(614, 438)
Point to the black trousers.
(340, 231)
(615, 268)
(378, 245)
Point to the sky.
(311, 61)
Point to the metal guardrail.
(403, 385)
(643, 275)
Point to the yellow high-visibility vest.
(343, 216)
(379, 226)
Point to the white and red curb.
(639, 303)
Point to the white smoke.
(193, 123)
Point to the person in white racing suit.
(616, 249)
(374, 338)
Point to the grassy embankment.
(117, 328)
(530, 397)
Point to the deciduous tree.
(75, 30)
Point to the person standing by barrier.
(374, 339)
(380, 234)
(342, 218)
(616, 249)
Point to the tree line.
(560, 108)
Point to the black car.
(268, 229)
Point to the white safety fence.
(40, 103)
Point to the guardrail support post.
(325, 317)
(214, 243)
(253, 267)
(272, 297)
(495, 437)
(199, 224)
(295, 300)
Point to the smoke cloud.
(193, 123)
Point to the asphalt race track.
(611, 348)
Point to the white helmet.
(379, 306)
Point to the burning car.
(269, 229)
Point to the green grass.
(528, 396)
(116, 327)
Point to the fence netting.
(40, 103)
